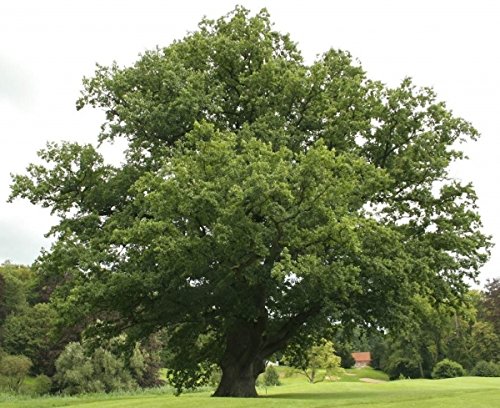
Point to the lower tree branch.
(290, 328)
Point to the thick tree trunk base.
(237, 389)
(241, 364)
(238, 382)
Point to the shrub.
(486, 369)
(74, 371)
(111, 372)
(271, 377)
(447, 369)
(397, 365)
(145, 362)
(136, 362)
(102, 372)
(41, 385)
(14, 370)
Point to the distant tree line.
(468, 334)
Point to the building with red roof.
(362, 359)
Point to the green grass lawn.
(465, 392)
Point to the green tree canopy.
(15, 284)
(262, 199)
(33, 334)
(318, 356)
(490, 306)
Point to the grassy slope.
(354, 374)
(467, 392)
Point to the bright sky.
(46, 47)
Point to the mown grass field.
(349, 391)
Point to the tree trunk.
(421, 368)
(242, 363)
(238, 380)
(247, 348)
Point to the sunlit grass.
(466, 392)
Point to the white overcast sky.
(46, 47)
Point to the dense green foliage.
(434, 334)
(42, 385)
(101, 372)
(14, 370)
(15, 282)
(486, 369)
(447, 369)
(28, 325)
(261, 200)
(145, 362)
(490, 305)
(31, 332)
(318, 356)
(346, 358)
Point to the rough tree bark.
(238, 379)
(241, 364)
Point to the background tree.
(75, 372)
(345, 354)
(437, 333)
(490, 306)
(16, 282)
(28, 322)
(145, 362)
(261, 199)
(351, 339)
(421, 343)
(271, 377)
(3, 308)
(311, 361)
(32, 333)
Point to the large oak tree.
(262, 199)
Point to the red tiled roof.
(362, 356)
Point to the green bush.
(41, 385)
(75, 373)
(271, 377)
(145, 362)
(486, 369)
(14, 370)
(111, 372)
(102, 372)
(447, 369)
(397, 366)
